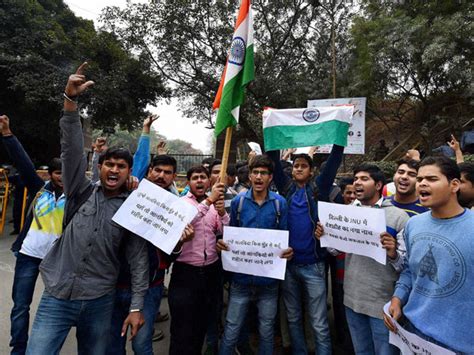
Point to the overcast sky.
(171, 123)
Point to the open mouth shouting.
(112, 180)
(359, 192)
(424, 195)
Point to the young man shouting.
(43, 225)
(255, 208)
(405, 196)
(368, 284)
(194, 281)
(305, 276)
(80, 271)
(435, 288)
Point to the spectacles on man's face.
(260, 172)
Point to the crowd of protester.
(108, 282)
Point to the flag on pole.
(305, 127)
(238, 72)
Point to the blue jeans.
(369, 335)
(55, 317)
(266, 298)
(142, 343)
(26, 273)
(308, 281)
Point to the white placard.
(255, 147)
(353, 229)
(155, 215)
(356, 134)
(255, 251)
(411, 344)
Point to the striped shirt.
(412, 209)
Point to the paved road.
(7, 266)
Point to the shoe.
(161, 317)
(159, 335)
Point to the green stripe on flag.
(284, 137)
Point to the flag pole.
(225, 154)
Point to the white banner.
(356, 134)
(155, 215)
(353, 229)
(411, 344)
(255, 251)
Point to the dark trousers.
(26, 273)
(192, 298)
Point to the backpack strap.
(239, 209)
(31, 209)
(277, 210)
(72, 206)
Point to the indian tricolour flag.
(305, 127)
(238, 72)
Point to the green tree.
(417, 56)
(187, 42)
(41, 43)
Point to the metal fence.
(184, 161)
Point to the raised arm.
(74, 162)
(454, 145)
(20, 158)
(326, 178)
(279, 177)
(141, 158)
(98, 147)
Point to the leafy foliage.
(419, 56)
(41, 43)
(188, 42)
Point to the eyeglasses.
(260, 172)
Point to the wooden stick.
(225, 154)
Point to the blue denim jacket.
(253, 215)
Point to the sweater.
(437, 283)
(368, 285)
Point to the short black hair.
(344, 182)
(374, 171)
(54, 165)
(213, 164)
(243, 174)
(467, 169)
(231, 170)
(163, 159)
(304, 156)
(447, 166)
(117, 153)
(262, 161)
(411, 163)
(207, 161)
(240, 164)
(196, 169)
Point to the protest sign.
(409, 343)
(353, 229)
(255, 251)
(255, 147)
(356, 133)
(155, 215)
